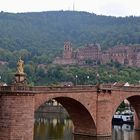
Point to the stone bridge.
(91, 108)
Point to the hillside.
(46, 31)
(39, 38)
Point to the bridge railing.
(112, 87)
(61, 88)
(12, 88)
(135, 88)
(106, 86)
(120, 87)
(20, 88)
(46, 88)
(6, 88)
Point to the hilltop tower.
(67, 53)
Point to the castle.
(92, 54)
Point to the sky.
(100, 7)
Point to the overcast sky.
(100, 7)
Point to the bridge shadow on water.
(77, 137)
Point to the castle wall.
(123, 54)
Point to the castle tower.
(67, 53)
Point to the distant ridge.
(47, 31)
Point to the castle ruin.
(92, 54)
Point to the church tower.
(67, 53)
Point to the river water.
(61, 129)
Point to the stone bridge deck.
(80, 88)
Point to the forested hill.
(50, 29)
(46, 31)
(37, 37)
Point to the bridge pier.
(104, 115)
(136, 122)
(16, 117)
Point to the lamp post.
(97, 76)
(76, 79)
(87, 79)
(98, 82)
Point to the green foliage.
(87, 75)
(45, 32)
(54, 75)
(121, 107)
(38, 38)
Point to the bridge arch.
(81, 117)
(135, 102)
(134, 99)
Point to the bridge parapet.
(120, 87)
(63, 88)
(135, 88)
(106, 86)
(12, 88)
(80, 88)
(22, 88)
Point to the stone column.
(16, 117)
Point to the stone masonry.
(91, 110)
(16, 117)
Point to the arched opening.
(127, 118)
(124, 113)
(65, 114)
(135, 102)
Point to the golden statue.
(20, 66)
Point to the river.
(61, 129)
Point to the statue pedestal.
(20, 78)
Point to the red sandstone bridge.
(90, 108)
